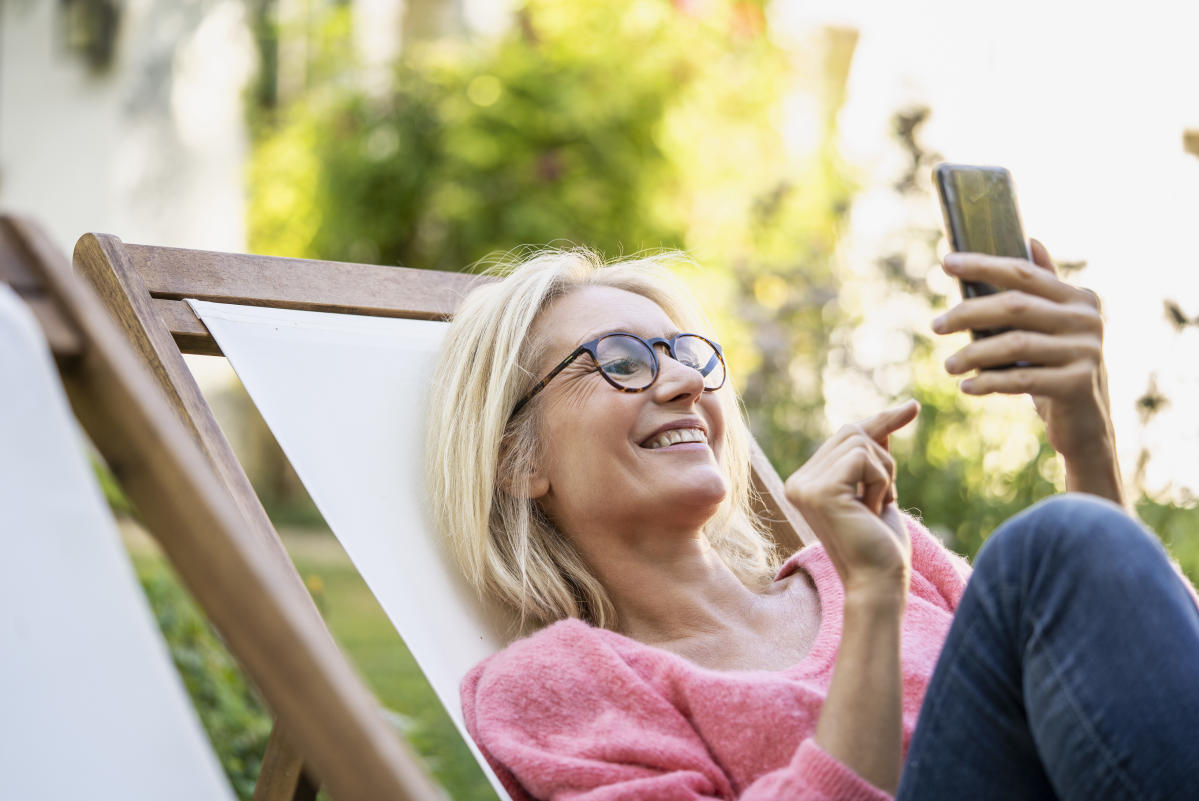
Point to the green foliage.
(474, 150)
(571, 126)
(232, 714)
(943, 477)
(1178, 527)
(113, 493)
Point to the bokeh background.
(786, 145)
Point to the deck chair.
(335, 357)
(89, 700)
(57, 545)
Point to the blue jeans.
(1071, 670)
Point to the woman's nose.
(676, 380)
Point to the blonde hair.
(476, 449)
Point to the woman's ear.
(532, 485)
(521, 475)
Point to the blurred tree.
(478, 149)
(431, 19)
(785, 271)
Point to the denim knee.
(1075, 535)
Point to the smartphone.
(981, 216)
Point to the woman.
(592, 474)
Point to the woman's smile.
(678, 438)
(675, 434)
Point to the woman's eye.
(622, 367)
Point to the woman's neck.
(671, 586)
(671, 590)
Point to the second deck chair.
(340, 385)
(260, 607)
(90, 705)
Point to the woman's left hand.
(1057, 327)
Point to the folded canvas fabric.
(345, 397)
(90, 704)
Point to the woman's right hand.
(846, 492)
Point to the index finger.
(1009, 273)
(880, 427)
(1040, 256)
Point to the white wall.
(153, 150)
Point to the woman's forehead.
(589, 311)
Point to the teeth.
(675, 436)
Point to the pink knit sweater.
(577, 712)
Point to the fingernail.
(967, 385)
(939, 324)
(952, 261)
(951, 364)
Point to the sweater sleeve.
(562, 716)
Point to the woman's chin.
(701, 490)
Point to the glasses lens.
(625, 360)
(699, 354)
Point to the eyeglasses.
(630, 363)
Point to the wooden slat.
(16, 259)
(282, 777)
(787, 526)
(188, 330)
(251, 280)
(254, 599)
(60, 334)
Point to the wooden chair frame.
(144, 288)
(246, 585)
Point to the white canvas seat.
(344, 395)
(90, 704)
